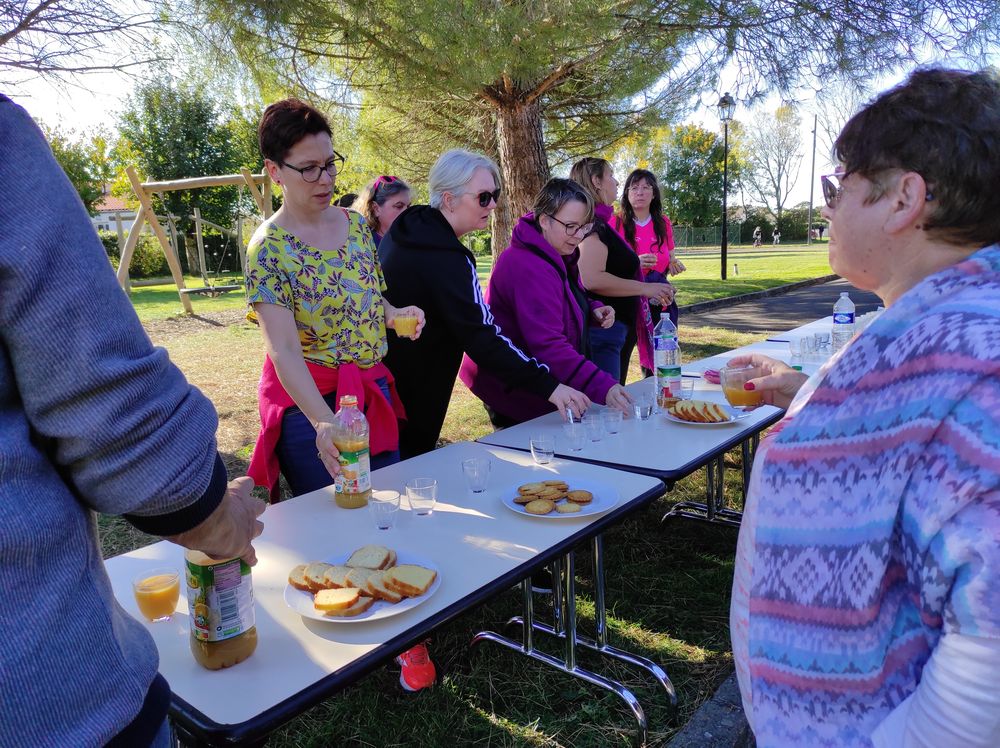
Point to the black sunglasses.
(485, 197)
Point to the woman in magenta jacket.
(539, 302)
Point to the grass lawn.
(758, 270)
(668, 596)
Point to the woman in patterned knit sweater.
(866, 599)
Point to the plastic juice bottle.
(220, 600)
(667, 359)
(354, 481)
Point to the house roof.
(110, 204)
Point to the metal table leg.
(714, 509)
(748, 451)
(568, 663)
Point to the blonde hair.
(585, 171)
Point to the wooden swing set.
(259, 187)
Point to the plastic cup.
(687, 388)
(612, 420)
(406, 325)
(157, 592)
(642, 407)
(383, 507)
(543, 448)
(576, 436)
(593, 424)
(422, 495)
(732, 380)
(477, 473)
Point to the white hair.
(453, 170)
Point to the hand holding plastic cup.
(733, 379)
(477, 473)
(543, 448)
(383, 507)
(422, 495)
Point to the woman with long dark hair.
(610, 271)
(649, 232)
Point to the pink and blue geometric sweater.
(878, 519)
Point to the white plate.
(734, 416)
(302, 602)
(605, 498)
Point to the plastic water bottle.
(843, 321)
(666, 359)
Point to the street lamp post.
(726, 106)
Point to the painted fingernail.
(749, 386)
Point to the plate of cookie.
(368, 584)
(559, 499)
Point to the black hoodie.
(425, 264)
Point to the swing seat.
(211, 291)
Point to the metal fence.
(707, 236)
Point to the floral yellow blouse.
(335, 296)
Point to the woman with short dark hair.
(538, 300)
(315, 287)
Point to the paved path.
(776, 313)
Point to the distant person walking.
(757, 236)
(776, 235)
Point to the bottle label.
(220, 599)
(669, 381)
(355, 474)
(843, 318)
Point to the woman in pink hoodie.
(538, 302)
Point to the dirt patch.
(161, 331)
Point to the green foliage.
(79, 158)
(147, 260)
(688, 162)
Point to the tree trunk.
(524, 167)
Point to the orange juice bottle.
(350, 437)
(220, 601)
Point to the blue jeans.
(606, 347)
(296, 449)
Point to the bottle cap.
(348, 401)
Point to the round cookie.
(551, 493)
(539, 506)
(561, 484)
(531, 488)
(567, 507)
(580, 497)
(524, 498)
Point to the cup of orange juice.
(157, 592)
(406, 325)
(732, 380)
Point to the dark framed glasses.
(573, 229)
(485, 198)
(312, 173)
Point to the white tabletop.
(776, 347)
(478, 544)
(657, 446)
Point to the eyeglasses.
(571, 228)
(383, 179)
(485, 197)
(833, 189)
(312, 173)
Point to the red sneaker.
(418, 670)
